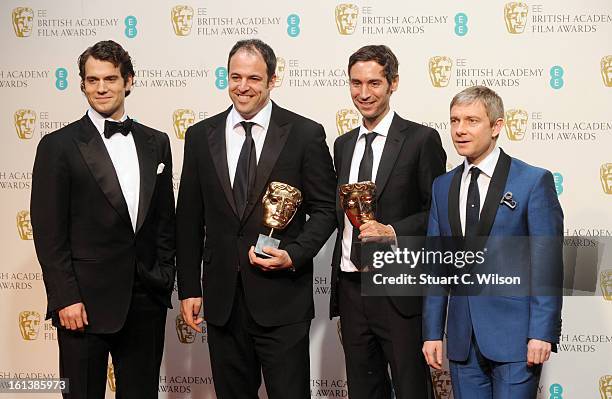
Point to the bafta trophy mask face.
(25, 122)
(440, 70)
(605, 175)
(346, 18)
(280, 71)
(442, 384)
(182, 20)
(346, 120)
(515, 15)
(516, 124)
(23, 21)
(280, 203)
(606, 70)
(110, 374)
(29, 323)
(605, 387)
(182, 119)
(605, 283)
(359, 202)
(24, 225)
(185, 334)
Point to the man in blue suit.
(496, 344)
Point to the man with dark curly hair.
(102, 211)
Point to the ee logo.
(461, 28)
(555, 391)
(221, 78)
(130, 26)
(558, 177)
(556, 77)
(293, 25)
(61, 81)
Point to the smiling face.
(104, 88)
(249, 86)
(473, 135)
(370, 91)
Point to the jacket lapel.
(345, 169)
(494, 194)
(96, 157)
(147, 161)
(218, 152)
(393, 146)
(276, 137)
(453, 203)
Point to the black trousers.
(376, 337)
(136, 352)
(242, 350)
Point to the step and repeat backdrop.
(551, 61)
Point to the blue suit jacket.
(502, 325)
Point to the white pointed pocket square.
(160, 168)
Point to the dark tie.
(365, 174)
(111, 127)
(472, 206)
(245, 170)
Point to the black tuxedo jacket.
(412, 158)
(209, 231)
(83, 235)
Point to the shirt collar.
(262, 118)
(487, 165)
(98, 120)
(382, 128)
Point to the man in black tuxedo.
(102, 211)
(258, 311)
(402, 158)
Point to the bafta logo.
(449, 166)
(516, 124)
(605, 282)
(29, 324)
(440, 68)
(606, 70)
(23, 21)
(346, 120)
(605, 174)
(280, 71)
(24, 225)
(181, 120)
(110, 377)
(605, 387)
(441, 381)
(182, 20)
(185, 334)
(346, 18)
(25, 123)
(515, 15)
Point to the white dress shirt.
(235, 135)
(378, 144)
(487, 167)
(122, 151)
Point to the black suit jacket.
(209, 231)
(412, 158)
(83, 235)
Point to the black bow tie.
(111, 128)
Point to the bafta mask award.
(280, 203)
(358, 201)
